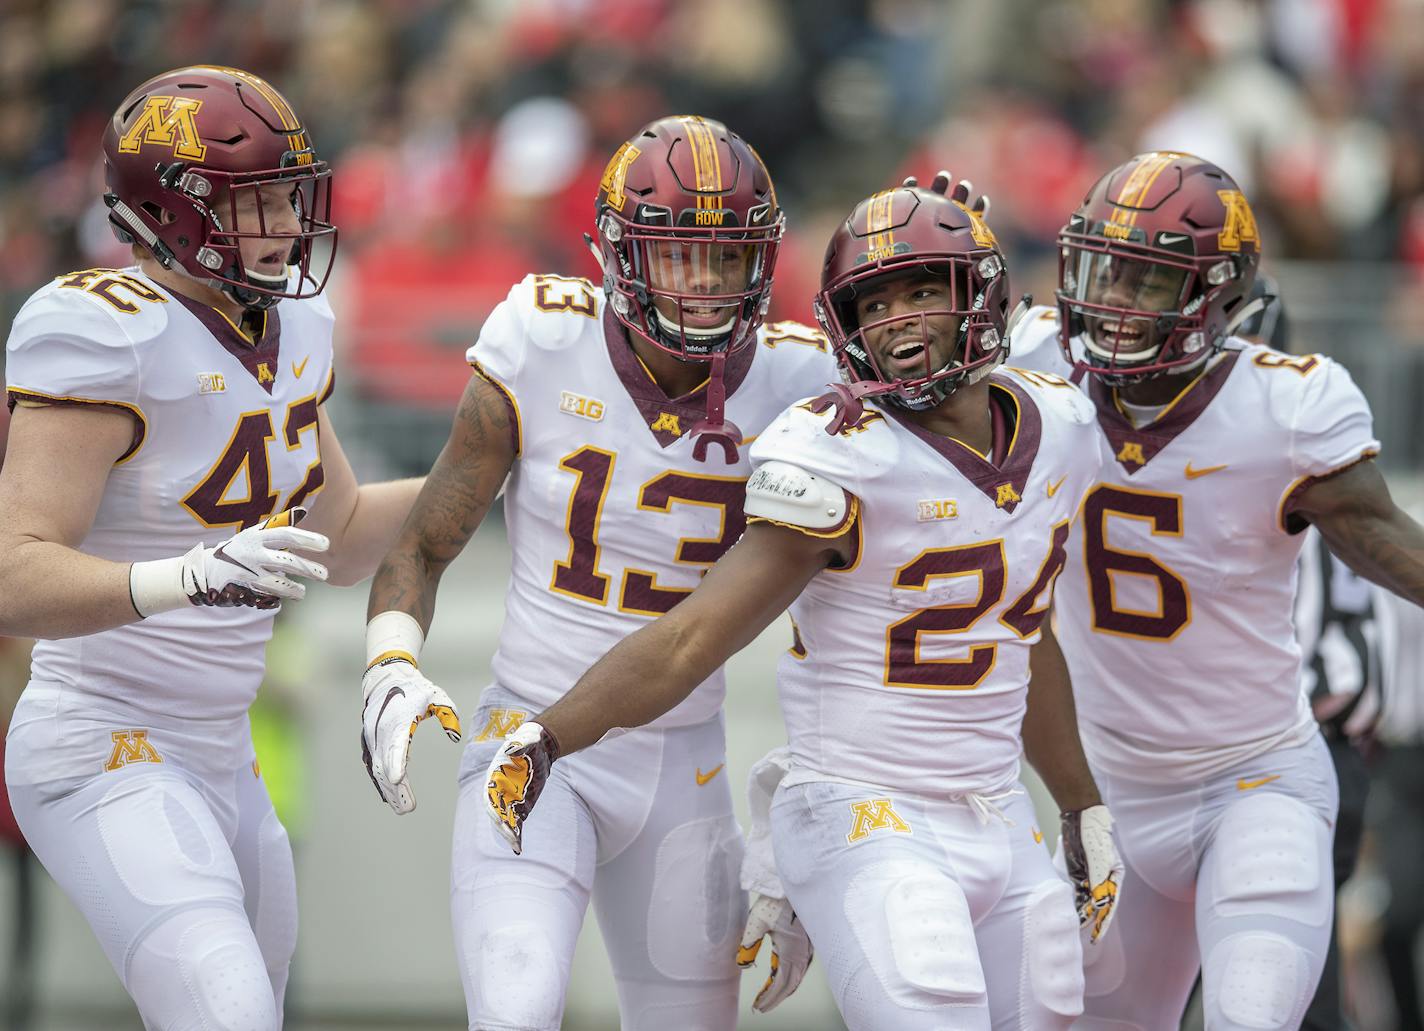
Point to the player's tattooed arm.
(1050, 728)
(1365, 528)
(650, 671)
(458, 492)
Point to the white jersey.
(611, 519)
(1175, 610)
(922, 641)
(225, 433)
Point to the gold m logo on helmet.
(978, 228)
(166, 122)
(1239, 226)
(874, 815)
(667, 423)
(615, 174)
(131, 746)
(501, 723)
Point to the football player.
(598, 403)
(914, 520)
(1176, 603)
(168, 431)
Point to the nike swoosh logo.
(222, 554)
(1037, 836)
(1053, 487)
(1248, 785)
(1170, 238)
(297, 370)
(1193, 474)
(703, 778)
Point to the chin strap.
(594, 250)
(715, 429)
(848, 401)
(1247, 312)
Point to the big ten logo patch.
(584, 407)
(131, 746)
(875, 814)
(936, 508)
(501, 723)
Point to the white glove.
(253, 567)
(1094, 867)
(515, 778)
(790, 949)
(398, 697)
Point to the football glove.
(960, 195)
(790, 949)
(1094, 867)
(253, 568)
(398, 697)
(516, 777)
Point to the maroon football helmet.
(190, 148)
(1155, 267)
(689, 230)
(903, 231)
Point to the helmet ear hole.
(159, 214)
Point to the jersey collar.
(258, 355)
(667, 418)
(1134, 446)
(1001, 483)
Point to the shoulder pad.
(785, 493)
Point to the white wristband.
(157, 586)
(393, 634)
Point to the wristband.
(393, 635)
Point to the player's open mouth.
(1122, 337)
(704, 316)
(908, 355)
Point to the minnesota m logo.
(1132, 452)
(874, 815)
(502, 723)
(978, 228)
(1006, 495)
(615, 174)
(167, 126)
(264, 373)
(667, 422)
(131, 746)
(1239, 225)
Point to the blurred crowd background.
(468, 137)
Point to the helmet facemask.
(247, 206)
(918, 358)
(694, 292)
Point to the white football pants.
(927, 914)
(641, 824)
(183, 870)
(1232, 877)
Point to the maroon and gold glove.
(516, 777)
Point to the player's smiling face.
(1141, 286)
(908, 330)
(720, 272)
